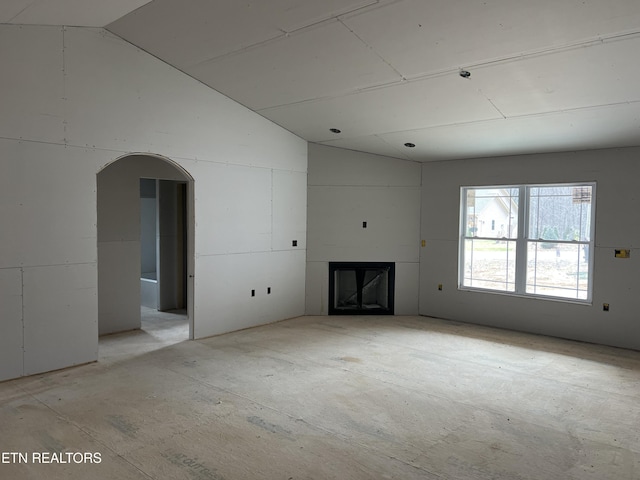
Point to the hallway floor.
(331, 398)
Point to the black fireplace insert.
(361, 288)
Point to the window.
(544, 243)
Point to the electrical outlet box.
(424, 243)
(622, 253)
(439, 286)
(605, 307)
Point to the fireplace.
(361, 288)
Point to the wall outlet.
(605, 307)
(439, 286)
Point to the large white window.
(528, 239)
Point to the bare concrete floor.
(333, 398)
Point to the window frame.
(522, 241)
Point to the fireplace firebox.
(361, 288)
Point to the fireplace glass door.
(361, 288)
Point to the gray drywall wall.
(615, 280)
(170, 276)
(347, 188)
(11, 341)
(48, 215)
(81, 98)
(244, 242)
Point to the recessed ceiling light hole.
(409, 145)
(465, 73)
(335, 130)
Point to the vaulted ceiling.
(545, 75)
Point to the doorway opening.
(145, 249)
(163, 256)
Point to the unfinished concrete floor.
(334, 398)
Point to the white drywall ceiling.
(545, 76)
(86, 13)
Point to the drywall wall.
(48, 255)
(346, 188)
(244, 241)
(11, 340)
(615, 281)
(80, 98)
(172, 228)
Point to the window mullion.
(521, 241)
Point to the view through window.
(528, 239)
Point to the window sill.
(586, 303)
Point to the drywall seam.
(64, 87)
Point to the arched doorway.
(123, 197)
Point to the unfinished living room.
(293, 239)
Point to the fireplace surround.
(361, 288)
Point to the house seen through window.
(528, 239)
